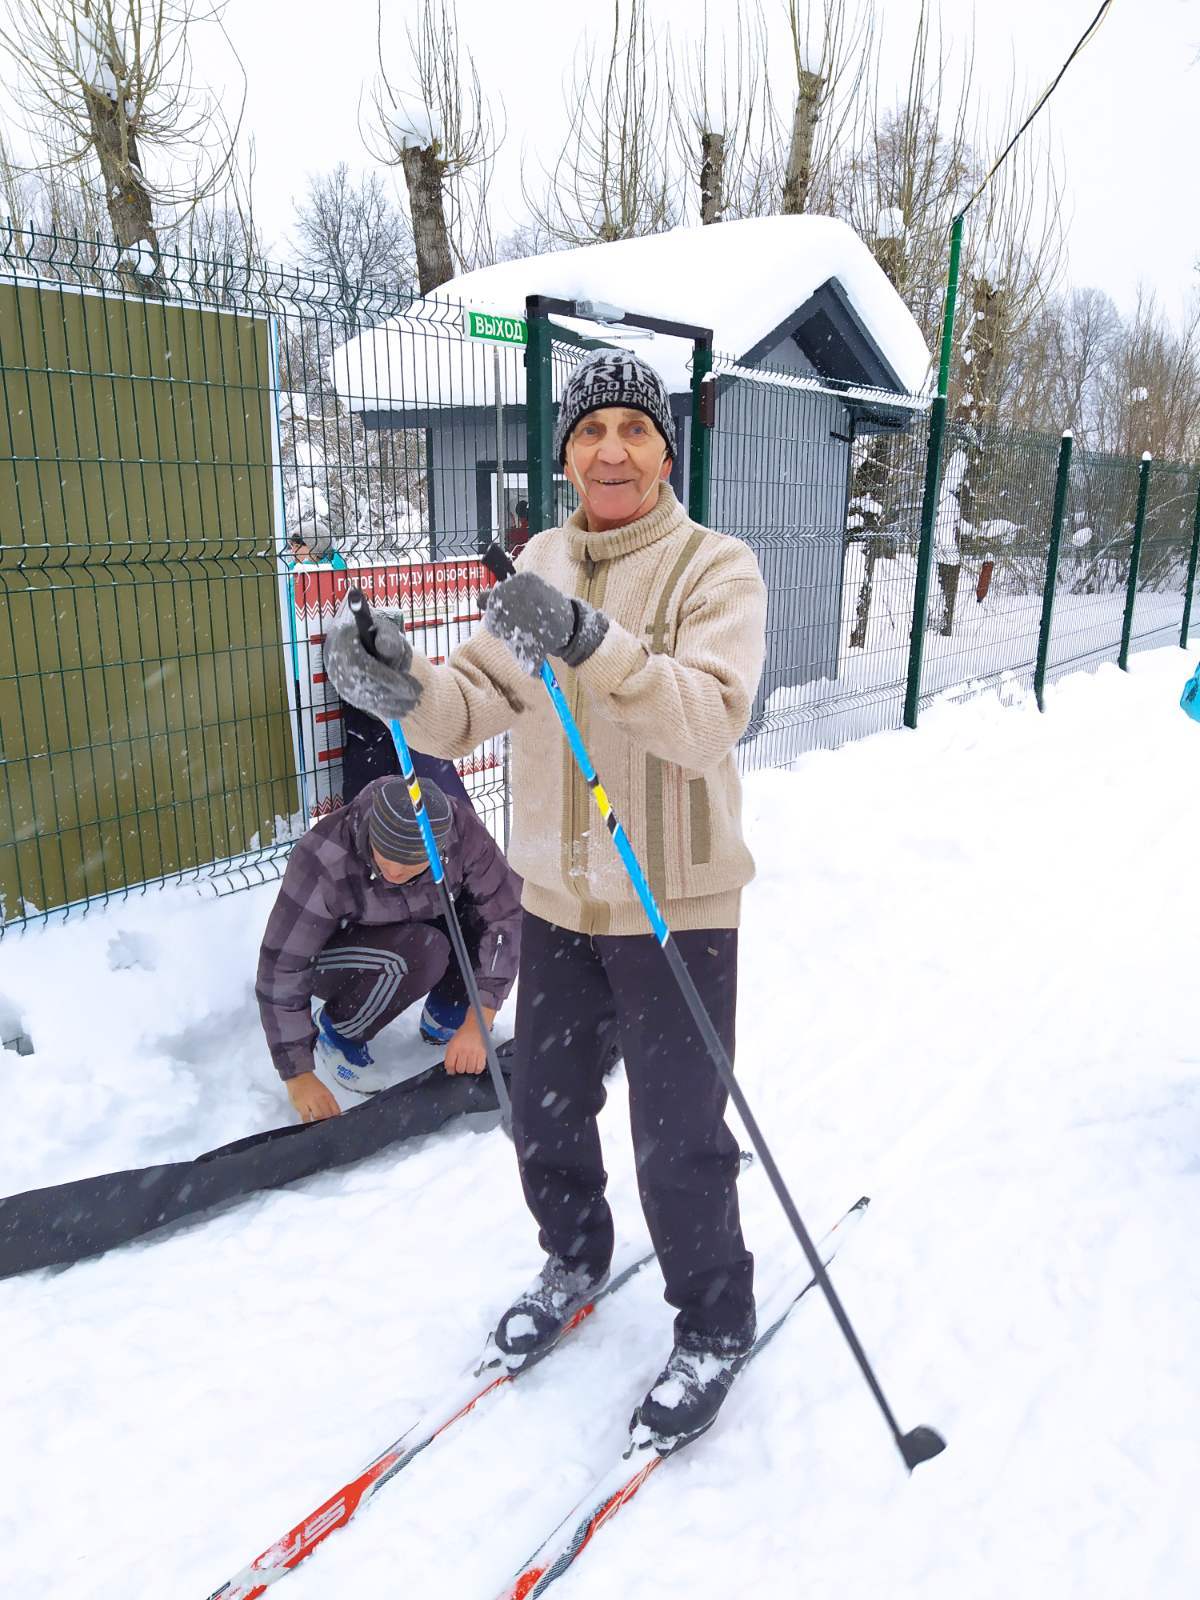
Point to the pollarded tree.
(723, 119)
(107, 91)
(439, 130)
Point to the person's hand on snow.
(466, 1051)
(536, 620)
(381, 683)
(311, 1100)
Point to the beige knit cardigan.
(661, 705)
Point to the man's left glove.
(382, 683)
(536, 620)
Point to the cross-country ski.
(641, 1458)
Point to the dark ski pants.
(368, 975)
(687, 1160)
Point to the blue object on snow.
(1190, 698)
(441, 1019)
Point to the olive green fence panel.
(144, 717)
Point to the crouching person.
(358, 925)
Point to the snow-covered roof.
(742, 279)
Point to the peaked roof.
(746, 280)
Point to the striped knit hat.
(393, 828)
(612, 377)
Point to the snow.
(140, 257)
(948, 517)
(890, 223)
(92, 64)
(999, 530)
(974, 1006)
(742, 279)
(412, 125)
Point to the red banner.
(438, 600)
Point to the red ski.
(286, 1554)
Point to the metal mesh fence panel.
(788, 458)
(194, 465)
(142, 689)
(991, 535)
(1094, 562)
(1166, 546)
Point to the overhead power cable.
(1086, 37)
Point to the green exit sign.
(499, 330)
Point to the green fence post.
(916, 651)
(539, 416)
(1191, 577)
(956, 233)
(700, 463)
(1056, 522)
(1135, 561)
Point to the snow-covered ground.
(968, 990)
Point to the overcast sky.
(1125, 121)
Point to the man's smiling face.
(615, 458)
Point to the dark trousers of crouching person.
(687, 1159)
(367, 976)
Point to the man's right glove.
(380, 684)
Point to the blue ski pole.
(920, 1443)
(361, 613)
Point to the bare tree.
(107, 90)
(613, 179)
(723, 122)
(833, 57)
(1150, 391)
(1060, 365)
(354, 234)
(525, 240)
(754, 160)
(903, 169)
(440, 132)
(905, 173)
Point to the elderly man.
(357, 924)
(657, 626)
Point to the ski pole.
(361, 613)
(920, 1443)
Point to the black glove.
(380, 684)
(536, 620)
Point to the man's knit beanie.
(612, 378)
(393, 827)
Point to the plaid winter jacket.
(331, 883)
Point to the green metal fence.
(825, 487)
(189, 479)
(191, 476)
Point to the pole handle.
(497, 561)
(363, 621)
